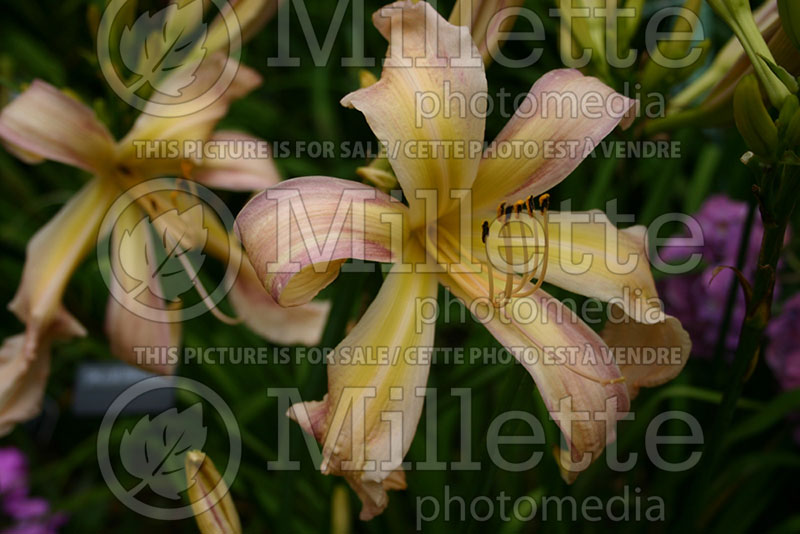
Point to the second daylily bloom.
(299, 233)
(43, 122)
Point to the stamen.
(544, 202)
(484, 235)
(505, 295)
(530, 206)
(505, 212)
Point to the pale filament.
(504, 297)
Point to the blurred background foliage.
(755, 491)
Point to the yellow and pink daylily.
(299, 233)
(45, 123)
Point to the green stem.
(777, 197)
(744, 241)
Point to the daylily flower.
(300, 232)
(43, 122)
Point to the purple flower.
(13, 472)
(29, 515)
(783, 352)
(694, 298)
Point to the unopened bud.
(738, 16)
(211, 501)
(752, 118)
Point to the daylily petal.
(45, 122)
(590, 256)
(287, 326)
(564, 116)
(571, 365)
(632, 343)
(131, 280)
(24, 375)
(311, 416)
(368, 418)
(298, 233)
(54, 253)
(239, 167)
(175, 139)
(21, 154)
(487, 21)
(430, 63)
(23, 383)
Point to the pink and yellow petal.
(368, 418)
(576, 375)
(648, 354)
(301, 325)
(43, 122)
(172, 140)
(590, 256)
(241, 163)
(54, 253)
(137, 319)
(426, 96)
(298, 233)
(564, 116)
(24, 373)
(587, 255)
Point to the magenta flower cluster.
(699, 298)
(21, 513)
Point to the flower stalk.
(776, 192)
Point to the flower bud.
(737, 15)
(211, 501)
(753, 120)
